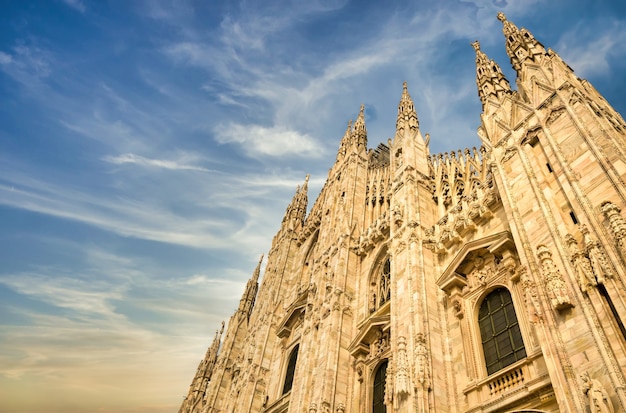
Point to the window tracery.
(499, 330)
(291, 368)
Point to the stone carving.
(597, 396)
(597, 258)
(379, 346)
(531, 297)
(403, 387)
(422, 364)
(582, 266)
(556, 112)
(458, 307)
(313, 407)
(372, 300)
(617, 224)
(389, 384)
(555, 285)
(481, 272)
(340, 408)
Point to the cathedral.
(478, 280)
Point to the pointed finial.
(359, 125)
(257, 270)
(476, 45)
(501, 17)
(407, 117)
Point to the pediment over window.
(292, 315)
(370, 331)
(454, 278)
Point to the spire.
(489, 77)
(296, 211)
(257, 270)
(521, 45)
(345, 142)
(407, 117)
(359, 134)
(249, 296)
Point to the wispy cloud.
(604, 41)
(130, 158)
(273, 141)
(76, 5)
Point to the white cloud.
(276, 141)
(130, 158)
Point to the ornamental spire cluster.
(407, 117)
(489, 77)
(521, 45)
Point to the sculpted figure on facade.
(555, 285)
(598, 398)
(599, 263)
(531, 297)
(422, 364)
(617, 224)
(584, 272)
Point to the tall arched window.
(378, 399)
(291, 368)
(499, 330)
(384, 284)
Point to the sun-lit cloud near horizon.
(148, 152)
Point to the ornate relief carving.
(389, 384)
(422, 364)
(554, 114)
(598, 398)
(531, 297)
(597, 258)
(555, 285)
(379, 346)
(313, 407)
(403, 387)
(617, 224)
(457, 306)
(582, 266)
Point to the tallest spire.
(521, 45)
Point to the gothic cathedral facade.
(484, 280)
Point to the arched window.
(499, 330)
(378, 399)
(384, 284)
(291, 368)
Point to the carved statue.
(555, 285)
(422, 369)
(599, 401)
(586, 278)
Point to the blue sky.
(148, 150)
